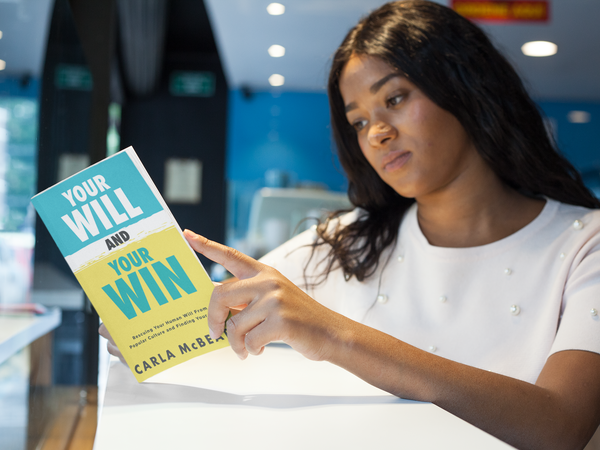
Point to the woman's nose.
(380, 133)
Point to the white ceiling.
(310, 30)
(24, 25)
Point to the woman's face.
(415, 146)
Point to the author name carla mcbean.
(167, 355)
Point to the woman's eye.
(393, 101)
(359, 124)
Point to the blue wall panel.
(579, 142)
(286, 131)
(290, 132)
(11, 86)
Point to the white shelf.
(17, 332)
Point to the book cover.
(128, 253)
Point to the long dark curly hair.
(454, 63)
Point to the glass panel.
(14, 391)
(18, 153)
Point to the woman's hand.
(276, 309)
(111, 346)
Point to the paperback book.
(127, 251)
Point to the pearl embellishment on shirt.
(382, 298)
(432, 348)
(578, 224)
(594, 312)
(443, 299)
(400, 258)
(562, 256)
(507, 271)
(515, 310)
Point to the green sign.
(192, 84)
(71, 76)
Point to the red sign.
(503, 11)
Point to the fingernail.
(190, 232)
(213, 335)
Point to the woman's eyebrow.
(378, 84)
(374, 88)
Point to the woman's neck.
(475, 215)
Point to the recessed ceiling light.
(276, 51)
(2, 64)
(275, 9)
(539, 48)
(579, 116)
(276, 80)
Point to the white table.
(279, 400)
(18, 331)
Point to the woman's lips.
(395, 160)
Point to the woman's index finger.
(240, 265)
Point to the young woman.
(469, 273)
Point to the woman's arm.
(562, 410)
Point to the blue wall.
(284, 131)
(288, 131)
(19, 87)
(579, 142)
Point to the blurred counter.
(17, 331)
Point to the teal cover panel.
(84, 200)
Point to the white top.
(504, 307)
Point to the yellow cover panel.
(165, 334)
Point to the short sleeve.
(299, 259)
(579, 326)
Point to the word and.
(120, 238)
(126, 295)
(84, 220)
(175, 323)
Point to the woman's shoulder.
(345, 219)
(566, 208)
(307, 238)
(578, 217)
(572, 227)
(293, 257)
